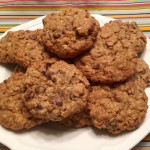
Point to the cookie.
(122, 106)
(13, 114)
(78, 120)
(114, 55)
(70, 32)
(127, 33)
(55, 90)
(142, 73)
(22, 47)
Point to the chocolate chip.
(61, 72)
(49, 74)
(33, 36)
(58, 101)
(143, 71)
(28, 94)
(116, 97)
(39, 89)
(97, 66)
(57, 34)
(147, 80)
(53, 79)
(72, 97)
(39, 107)
(112, 125)
(30, 118)
(5, 81)
(76, 12)
(65, 12)
(63, 30)
(43, 73)
(87, 14)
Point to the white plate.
(53, 137)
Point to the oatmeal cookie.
(113, 56)
(22, 47)
(13, 114)
(121, 106)
(127, 33)
(142, 73)
(55, 90)
(78, 120)
(69, 32)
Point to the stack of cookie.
(75, 73)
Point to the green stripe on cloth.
(8, 25)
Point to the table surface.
(13, 13)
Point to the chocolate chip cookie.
(113, 56)
(22, 47)
(121, 106)
(69, 32)
(78, 120)
(13, 114)
(55, 90)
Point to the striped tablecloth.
(13, 13)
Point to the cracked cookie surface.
(22, 47)
(13, 114)
(114, 55)
(55, 90)
(121, 106)
(70, 32)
